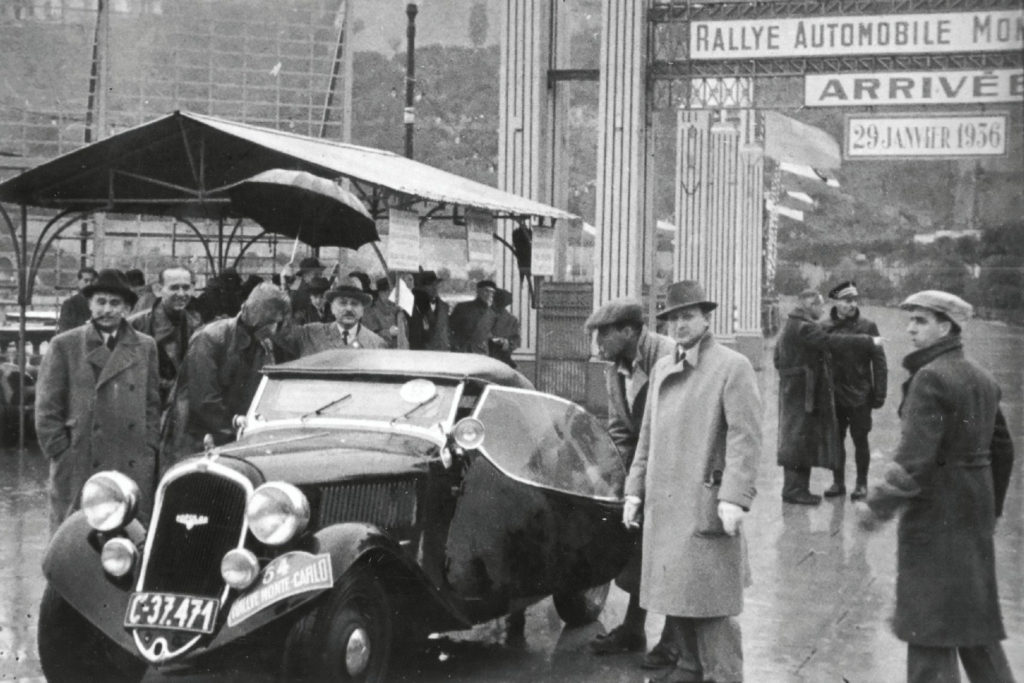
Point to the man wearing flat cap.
(347, 304)
(808, 431)
(623, 340)
(692, 482)
(948, 477)
(472, 321)
(98, 400)
(860, 385)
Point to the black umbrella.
(304, 206)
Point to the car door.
(539, 509)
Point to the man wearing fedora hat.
(347, 304)
(949, 476)
(623, 339)
(808, 430)
(472, 321)
(693, 478)
(429, 323)
(98, 400)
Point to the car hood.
(310, 456)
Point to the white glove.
(731, 515)
(631, 516)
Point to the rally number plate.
(172, 611)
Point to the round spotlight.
(109, 500)
(239, 568)
(118, 556)
(277, 512)
(469, 433)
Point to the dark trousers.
(983, 664)
(711, 649)
(795, 480)
(857, 420)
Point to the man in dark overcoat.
(429, 322)
(74, 310)
(631, 349)
(221, 372)
(693, 476)
(948, 477)
(171, 322)
(303, 310)
(471, 322)
(808, 431)
(98, 401)
(505, 333)
(860, 387)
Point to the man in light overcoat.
(948, 477)
(692, 480)
(808, 430)
(98, 401)
(347, 304)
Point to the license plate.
(172, 611)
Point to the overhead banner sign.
(479, 237)
(912, 136)
(403, 240)
(991, 31)
(914, 87)
(543, 251)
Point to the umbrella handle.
(295, 247)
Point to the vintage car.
(371, 498)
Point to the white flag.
(402, 296)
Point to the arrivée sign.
(914, 87)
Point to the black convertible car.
(371, 498)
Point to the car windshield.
(391, 399)
(550, 442)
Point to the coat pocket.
(708, 521)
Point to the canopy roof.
(180, 164)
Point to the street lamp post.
(410, 75)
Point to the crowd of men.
(124, 392)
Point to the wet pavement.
(817, 612)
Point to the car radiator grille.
(389, 504)
(200, 518)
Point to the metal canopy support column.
(525, 47)
(621, 153)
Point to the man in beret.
(624, 341)
(347, 304)
(808, 431)
(690, 485)
(860, 386)
(472, 321)
(948, 477)
(98, 400)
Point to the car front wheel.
(352, 631)
(581, 607)
(72, 650)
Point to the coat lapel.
(121, 358)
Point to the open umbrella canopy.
(298, 204)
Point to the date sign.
(913, 136)
(172, 611)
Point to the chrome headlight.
(239, 568)
(109, 500)
(468, 433)
(118, 556)
(277, 513)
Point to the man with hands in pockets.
(691, 483)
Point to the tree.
(478, 24)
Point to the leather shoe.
(860, 492)
(802, 498)
(835, 490)
(619, 640)
(660, 656)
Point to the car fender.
(72, 567)
(347, 544)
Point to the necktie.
(111, 342)
(344, 337)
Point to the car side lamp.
(467, 435)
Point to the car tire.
(71, 650)
(352, 632)
(581, 607)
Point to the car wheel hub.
(357, 651)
